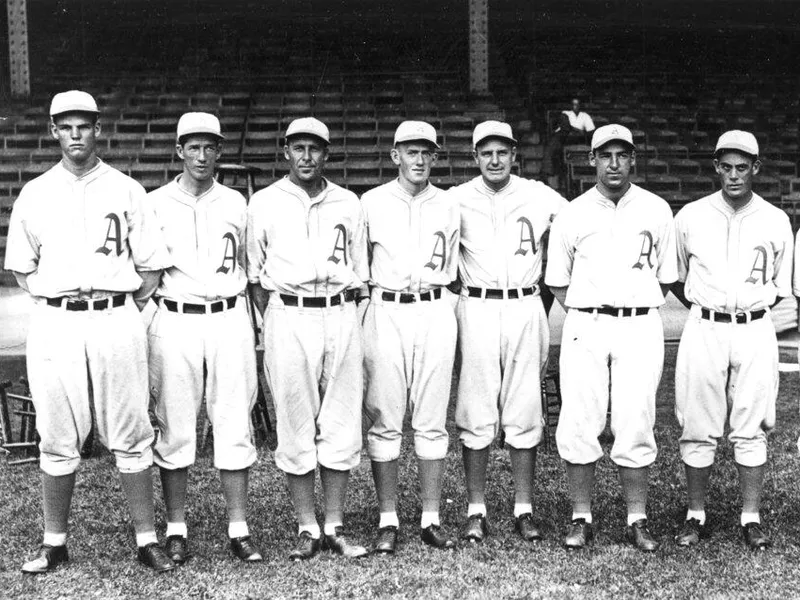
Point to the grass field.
(103, 565)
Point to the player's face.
(77, 135)
(613, 163)
(414, 160)
(736, 172)
(199, 154)
(306, 156)
(494, 158)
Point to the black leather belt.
(721, 317)
(320, 301)
(617, 312)
(80, 305)
(199, 309)
(404, 298)
(500, 294)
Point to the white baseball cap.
(743, 141)
(199, 122)
(413, 131)
(492, 129)
(73, 101)
(610, 133)
(311, 126)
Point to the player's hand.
(362, 310)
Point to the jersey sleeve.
(665, 251)
(784, 255)
(256, 236)
(22, 245)
(145, 237)
(359, 249)
(681, 247)
(589, 123)
(796, 276)
(455, 239)
(560, 253)
(241, 251)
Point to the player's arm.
(784, 258)
(150, 281)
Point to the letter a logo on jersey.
(525, 227)
(759, 266)
(112, 236)
(440, 239)
(646, 252)
(230, 244)
(341, 236)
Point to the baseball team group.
(364, 302)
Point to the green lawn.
(103, 565)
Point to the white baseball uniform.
(306, 251)
(201, 341)
(503, 333)
(613, 259)
(409, 326)
(81, 241)
(733, 262)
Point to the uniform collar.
(190, 198)
(485, 189)
(719, 202)
(91, 175)
(295, 190)
(624, 200)
(401, 192)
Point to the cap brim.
(614, 139)
(734, 148)
(295, 134)
(416, 139)
(201, 132)
(495, 136)
(75, 109)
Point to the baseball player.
(201, 342)
(611, 260)
(734, 264)
(307, 261)
(410, 327)
(84, 244)
(503, 334)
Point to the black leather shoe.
(387, 540)
(435, 537)
(48, 558)
(177, 548)
(526, 528)
(755, 537)
(245, 549)
(154, 557)
(690, 533)
(307, 547)
(640, 536)
(579, 535)
(475, 529)
(339, 544)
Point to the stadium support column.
(479, 46)
(19, 66)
